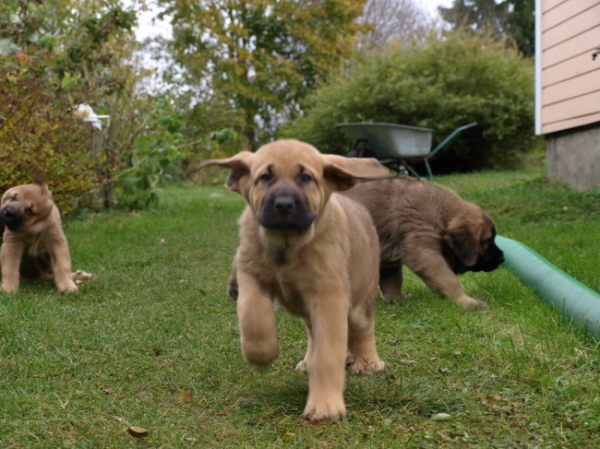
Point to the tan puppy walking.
(313, 252)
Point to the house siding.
(567, 91)
(570, 79)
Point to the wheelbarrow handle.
(451, 136)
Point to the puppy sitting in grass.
(313, 252)
(34, 245)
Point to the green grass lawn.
(153, 342)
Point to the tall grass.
(153, 342)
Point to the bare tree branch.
(399, 20)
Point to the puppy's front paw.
(66, 286)
(325, 409)
(360, 365)
(302, 366)
(470, 303)
(261, 352)
(9, 287)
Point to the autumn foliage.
(39, 134)
(264, 57)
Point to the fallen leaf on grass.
(490, 398)
(137, 432)
(407, 362)
(444, 435)
(185, 396)
(227, 409)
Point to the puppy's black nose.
(7, 213)
(284, 209)
(11, 218)
(284, 205)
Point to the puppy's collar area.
(284, 247)
(281, 258)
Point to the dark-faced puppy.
(432, 231)
(33, 244)
(313, 252)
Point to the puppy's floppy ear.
(463, 237)
(239, 164)
(39, 180)
(344, 172)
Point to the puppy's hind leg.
(390, 283)
(303, 365)
(61, 268)
(362, 352)
(258, 330)
(232, 284)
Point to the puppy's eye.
(305, 178)
(267, 177)
(29, 210)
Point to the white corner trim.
(538, 67)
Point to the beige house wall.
(570, 78)
(568, 89)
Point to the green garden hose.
(569, 296)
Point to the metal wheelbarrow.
(395, 146)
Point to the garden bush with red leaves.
(39, 133)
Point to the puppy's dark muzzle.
(489, 261)
(11, 217)
(285, 210)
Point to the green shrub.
(442, 83)
(160, 151)
(40, 135)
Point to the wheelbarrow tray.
(390, 141)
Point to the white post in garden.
(104, 194)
